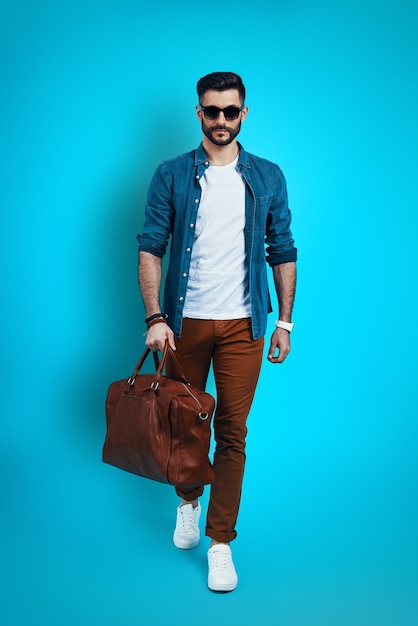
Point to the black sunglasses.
(230, 113)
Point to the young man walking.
(226, 213)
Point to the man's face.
(220, 131)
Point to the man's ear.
(199, 112)
(244, 113)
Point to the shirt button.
(181, 298)
(188, 249)
(184, 274)
(191, 225)
(197, 176)
(197, 200)
(206, 162)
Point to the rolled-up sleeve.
(159, 213)
(279, 240)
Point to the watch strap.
(286, 325)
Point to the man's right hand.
(157, 335)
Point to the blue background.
(93, 96)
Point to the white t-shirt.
(218, 279)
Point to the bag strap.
(159, 365)
(168, 350)
(141, 362)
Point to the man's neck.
(220, 155)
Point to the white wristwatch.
(286, 325)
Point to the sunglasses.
(230, 113)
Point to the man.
(221, 206)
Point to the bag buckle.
(203, 416)
(155, 385)
(131, 381)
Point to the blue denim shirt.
(173, 202)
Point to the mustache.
(220, 128)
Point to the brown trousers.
(236, 358)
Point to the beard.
(209, 132)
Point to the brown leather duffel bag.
(158, 427)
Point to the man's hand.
(280, 340)
(157, 335)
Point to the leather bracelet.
(158, 320)
(155, 316)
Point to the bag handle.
(159, 365)
(141, 362)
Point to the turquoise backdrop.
(93, 96)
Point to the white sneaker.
(222, 575)
(187, 533)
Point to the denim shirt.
(173, 202)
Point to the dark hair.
(220, 81)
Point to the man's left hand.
(280, 340)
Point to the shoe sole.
(223, 587)
(183, 545)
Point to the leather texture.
(158, 427)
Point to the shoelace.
(188, 519)
(220, 560)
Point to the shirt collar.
(201, 156)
